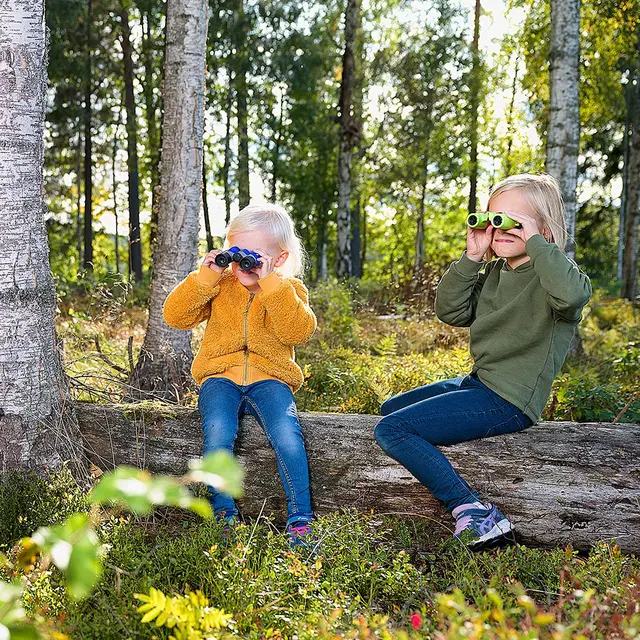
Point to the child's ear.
(281, 259)
(546, 234)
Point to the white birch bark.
(563, 135)
(165, 359)
(38, 428)
(349, 133)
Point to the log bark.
(560, 482)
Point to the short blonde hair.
(278, 222)
(543, 193)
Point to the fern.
(189, 616)
(387, 346)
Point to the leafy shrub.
(28, 501)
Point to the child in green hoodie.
(522, 299)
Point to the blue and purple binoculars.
(247, 259)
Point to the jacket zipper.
(246, 341)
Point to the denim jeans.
(221, 403)
(443, 413)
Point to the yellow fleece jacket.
(248, 336)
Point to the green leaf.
(20, 632)
(74, 548)
(139, 491)
(219, 470)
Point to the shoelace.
(297, 531)
(470, 512)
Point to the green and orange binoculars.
(500, 220)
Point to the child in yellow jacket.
(255, 317)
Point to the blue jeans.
(443, 413)
(221, 403)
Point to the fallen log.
(560, 482)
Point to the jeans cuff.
(299, 517)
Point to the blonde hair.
(543, 193)
(274, 219)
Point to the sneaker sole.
(498, 533)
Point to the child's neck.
(517, 261)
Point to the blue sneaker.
(301, 535)
(229, 524)
(481, 525)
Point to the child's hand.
(530, 226)
(478, 241)
(266, 264)
(209, 261)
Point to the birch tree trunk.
(475, 103)
(242, 55)
(135, 247)
(629, 101)
(630, 251)
(356, 183)
(163, 368)
(38, 428)
(349, 134)
(563, 135)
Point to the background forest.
(444, 98)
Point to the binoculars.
(483, 219)
(247, 259)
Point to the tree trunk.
(115, 196)
(79, 227)
(205, 200)
(475, 104)
(135, 247)
(356, 183)
(420, 223)
(356, 236)
(630, 253)
(560, 482)
(38, 427)
(242, 56)
(563, 134)
(510, 127)
(153, 131)
(227, 152)
(629, 100)
(321, 246)
(88, 149)
(349, 135)
(165, 358)
(276, 150)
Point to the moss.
(152, 411)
